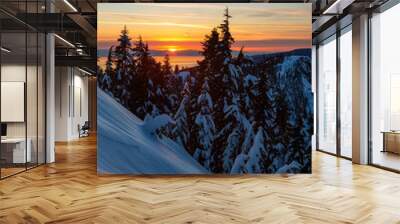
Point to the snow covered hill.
(127, 146)
(261, 58)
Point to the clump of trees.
(232, 114)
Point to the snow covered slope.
(126, 146)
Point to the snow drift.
(127, 145)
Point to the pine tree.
(256, 153)
(277, 141)
(123, 69)
(144, 85)
(210, 66)
(236, 132)
(106, 78)
(176, 69)
(251, 157)
(205, 128)
(210, 47)
(166, 67)
(298, 130)
(150, 107)
(294, 140)
(224, 89)
(227, 39)
(233, 134)
(181, 130)
(170, 87)
(240, 57)
(241, 60)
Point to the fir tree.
(205, 127)
(106, 78)
(219, 55)
(123, 69)
(181, 130)
(145, 86)
(227, 39)
(240, 60)
(236, 123)
(210, 47)
(169, 87)
(166, 67)
(150, 106)
(278, 136)
(176, 69)
(210, 65)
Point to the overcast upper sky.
(259, 27)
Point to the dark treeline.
(232, 114)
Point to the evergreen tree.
(236, 134)
(277, 138)
(210, 47)
(168, 94)
(227, 39)
(240, 60)
(252, 157)
(210, 65)
(205, 128)
(236, 124)
(181, 130)
(256, 153)
(106, 78)
(150, 107)
(145, 86)
(224, 77)
(123, 69)
(166, 67)
(171, 86)
(176, 69)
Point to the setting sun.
(179, 29)
(171, 49)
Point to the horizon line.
(193, 53)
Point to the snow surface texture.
(141, 148)
(127, 145)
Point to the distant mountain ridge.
(259, 58)
(255, 56)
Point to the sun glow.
(172, 49)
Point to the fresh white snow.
(151, 124)
(126, 144)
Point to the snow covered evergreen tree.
(252, 159)
(106, 78)
(233, 134)
(124, 69)
(181, 130)
(294, 77)
(205, 128)
(147, 85)
(225, 79)
(170, 87)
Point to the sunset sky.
(173, 27)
